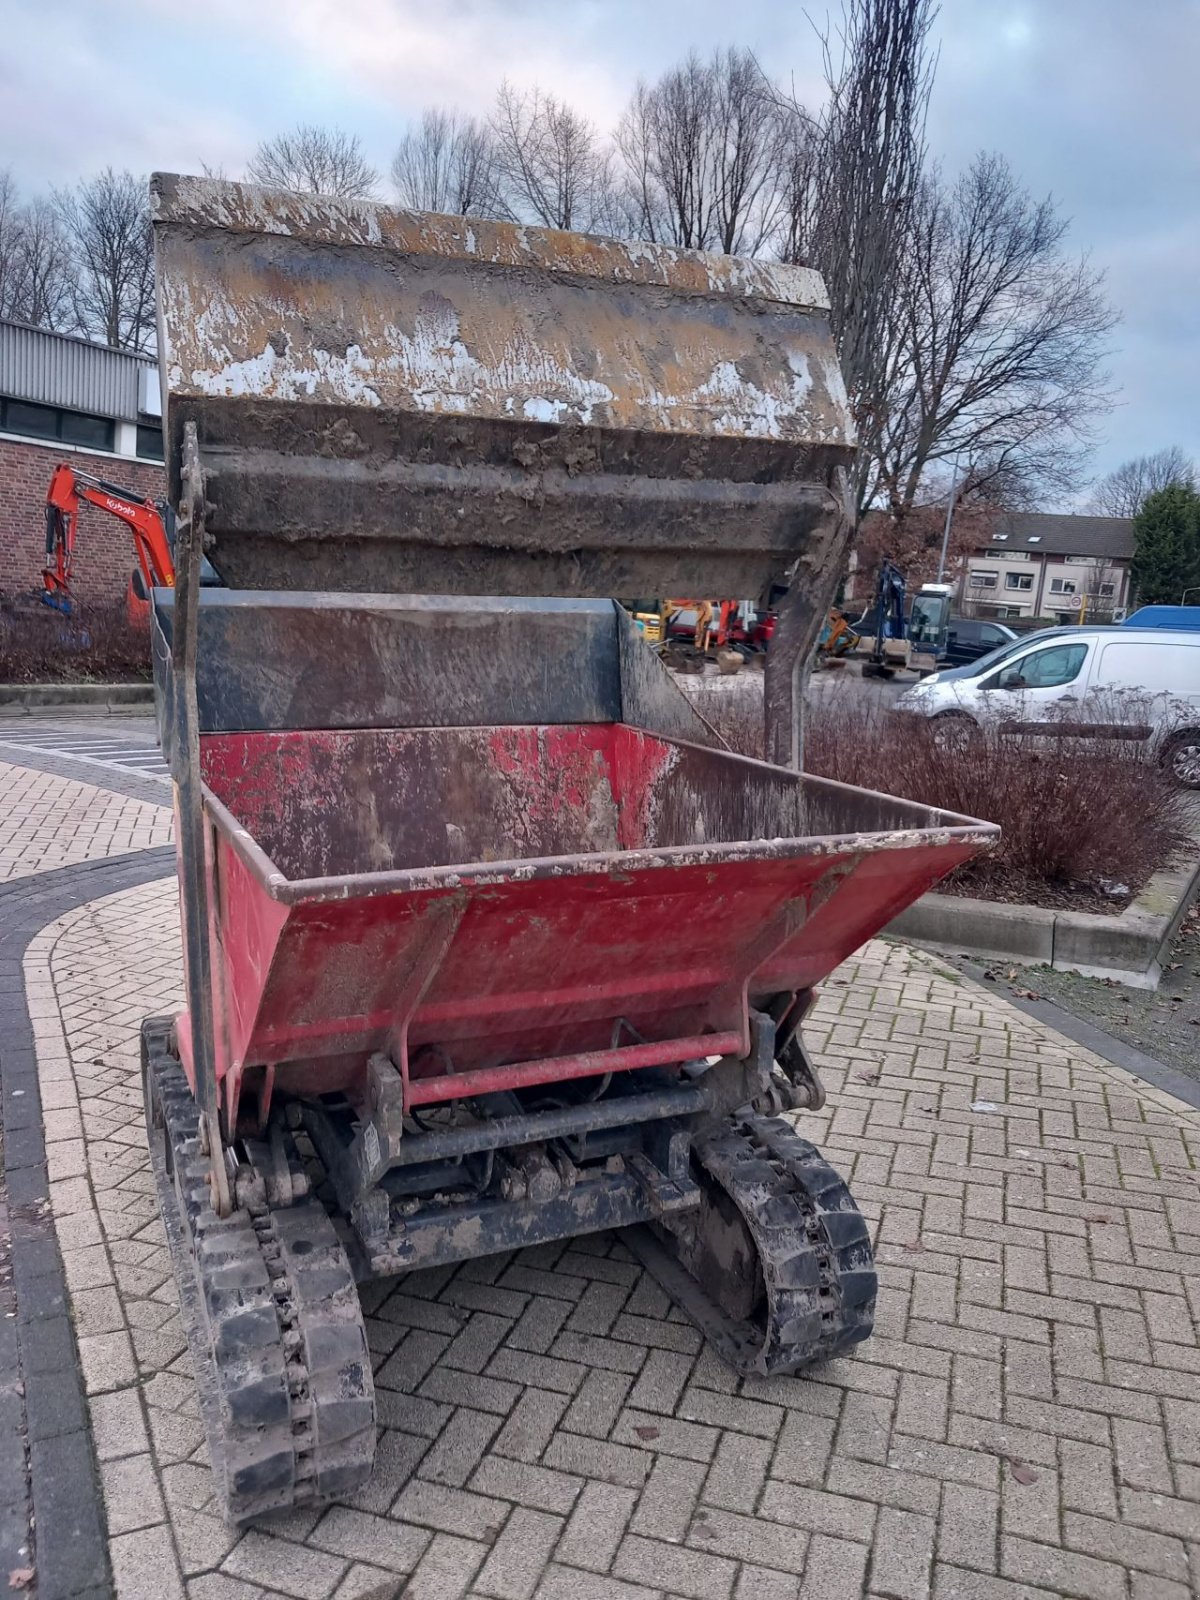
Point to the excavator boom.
(69, 489)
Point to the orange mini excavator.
(144, 518)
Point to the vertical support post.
(189, 814)
(797, 627)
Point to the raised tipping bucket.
(399, 402)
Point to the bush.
(1078, 817)
(99, 644)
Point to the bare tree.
(48, 277)
(700, 150)
(11, 235)
(314, 160)
(1122, 492)
(448, 164)
(554, 167)
(36, 277)
(798, 178)
(107, 221)
(995, 346)
(853, 185)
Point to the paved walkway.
(49, 822)
(1026, 1421)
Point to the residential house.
(1060, 568)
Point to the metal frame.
(189, 818)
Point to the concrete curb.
(44, 1409)
(25, 699)
(1128, 948)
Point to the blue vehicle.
(1163, 617)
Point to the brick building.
(65, 399)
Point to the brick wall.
(104, 555)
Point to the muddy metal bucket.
(500, 907)
(398, 402)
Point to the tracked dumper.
(489, 940)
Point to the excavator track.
(272, 1318)
(777, 1269)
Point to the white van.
(1139, 684)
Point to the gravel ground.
(1163, 1023)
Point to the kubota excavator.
(145, 520)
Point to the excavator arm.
(68, 490)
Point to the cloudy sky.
(1093, 101)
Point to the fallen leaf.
(914, 1244)
(1022, 1472)
(20, 1577)
(647, 1433)
(1027, 994)
(867, 1077)
(1174, 966)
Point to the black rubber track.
(272, 1317)
(812, 1244)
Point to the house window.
(1008, 611)
(1018, 580)
(999, 537)
(51, 422)
(1062, 586)
(1107, 590)
(982, 580)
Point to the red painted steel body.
(502, 907)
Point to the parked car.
(1136, 684)
(968, 638)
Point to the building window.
(982, 580)
(1062, 586)
(51, 422)
(1018, 580)
(999, 537)
(1107, 590)
(1008, 611)
(150, 441)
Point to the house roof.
(1103, 538)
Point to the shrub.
(99, 644)
(1077, 816)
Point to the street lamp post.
(949, 520)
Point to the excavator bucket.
(389, 400)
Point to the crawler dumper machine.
(488, 939)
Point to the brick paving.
(1026, 1421)
(47, 822)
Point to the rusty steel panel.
(395, 401)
